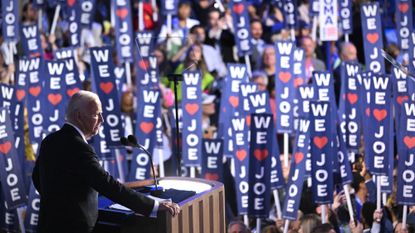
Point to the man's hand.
(355, 228)
(172, 207)
(377, 215)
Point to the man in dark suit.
(68, 175)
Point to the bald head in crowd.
(348, 52)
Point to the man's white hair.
(80, 102)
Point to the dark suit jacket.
(68, 176)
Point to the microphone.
(132, 141)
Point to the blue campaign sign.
(63, 53)
(259, 102)
(349, 111)
(305, 94)
(372, 37)
(87, 11)
(378, 137)
(55, 97)
(299, 80)
(262, 136)
(100, 145)
(240, 137)
(9, 100)
(33, 68)
(30, 40)
(32, 212)
(212, 165)
(145, 130)
(324, 88)
(123, 31)
(404, 23)
(299, 67)
(345, 169)
(192, 118)
(11, 176)
(169, 7)
(321, 156)
(400, 93)
(145, 69)
(290, 13)
(314, 8)
(72, 81)
(10, 16)
(240, 19)
(346, 16)
(284, 86)
(73, 11)
(246, 89)
(406, 148)
(149, 73)
(294, 185)
(230, 101)
(102, 70)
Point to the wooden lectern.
(202, 212)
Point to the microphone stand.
(176, 78)
(132, 141)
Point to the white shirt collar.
(77, 129)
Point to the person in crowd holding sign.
(311, 62)
(29, 14)
(220, 36)
(194, 61)
(180, 27)
(268, 66)
(208, 110)
(257, 42)
(68, 175)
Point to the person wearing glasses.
(69, 177)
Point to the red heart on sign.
(380, 114)
(409, 141)
(106, 87)
(372, 37)
(241, 154)
(146, 127)
(298, 157)
(261, 154)
(400, 99)
(192, 108)
(35, 91)
(284, 76)
(248, 120)
(298, 82)
(122, 13)
(234, 101)
(403, 7)
(352, 98)
(211, 176)
(143, 64)
(5, 148)
(54, 99)
(71, 2)
(20, 94)
(238, 8)
(320, 142)
(72, 92)
(367, 111)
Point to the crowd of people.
(202, 38)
